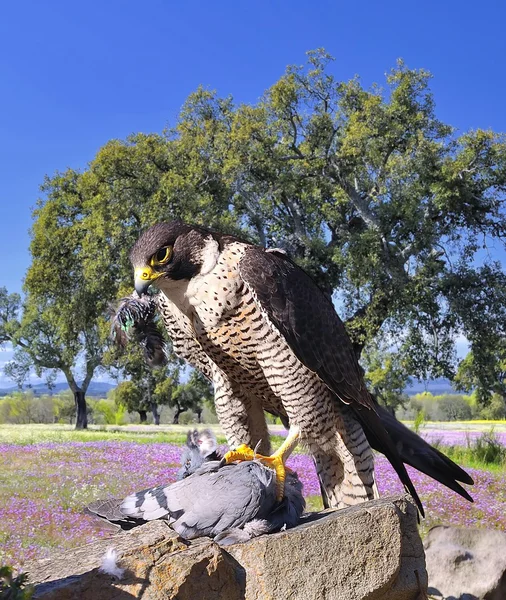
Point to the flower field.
(456, 437)
(45, 486)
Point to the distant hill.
(436, 387)
(100, 388)
(95, 389)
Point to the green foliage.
(454, 408)
(25, 408)
(484, 452)
(386, 375)
(447, 407)
(146, 388)
(128, 395)
(366, 189)
(187, 417)
(104, 411)
(14, 587)
(419, 421)
(484, 369)
(120, 415)
(495, 409)
(191, 396)
(488, 449)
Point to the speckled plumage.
(258, 327)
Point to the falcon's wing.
(308, 321)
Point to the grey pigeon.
(231, 503)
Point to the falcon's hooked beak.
(144, 277)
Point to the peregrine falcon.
(262, 331)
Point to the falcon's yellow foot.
(274, 462)
(242, 452)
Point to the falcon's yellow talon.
(242, 452)
(276, 461)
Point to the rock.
(466, 564)
(369, 551)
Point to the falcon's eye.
(162, 256)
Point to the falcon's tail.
(417, 453)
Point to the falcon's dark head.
(173, 251)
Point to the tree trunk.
(143, 414)
(175, 420)
(199, 415)
(81, 416)
(156, 414)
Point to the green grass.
(477, 457)
(26, 435)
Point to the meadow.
(48, 474)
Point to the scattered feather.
(109, 566)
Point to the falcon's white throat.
(182, 292)
(209, 255)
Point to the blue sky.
(76, 74)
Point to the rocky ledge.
(369, 551)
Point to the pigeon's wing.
(209, 501)
(284, 515)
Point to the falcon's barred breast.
(261, 330)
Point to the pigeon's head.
(201, 446)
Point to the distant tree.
(22, 408)
(204, 393)
(64, 406)
(454, 408)
(147, 388)
(494, 409)
(191, 396)
(60, 326)
(366, 189)
(386, 376)
(140, 396)
(487, 375)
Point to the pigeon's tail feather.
(149, 505)
(109, 511)
(416, 452)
